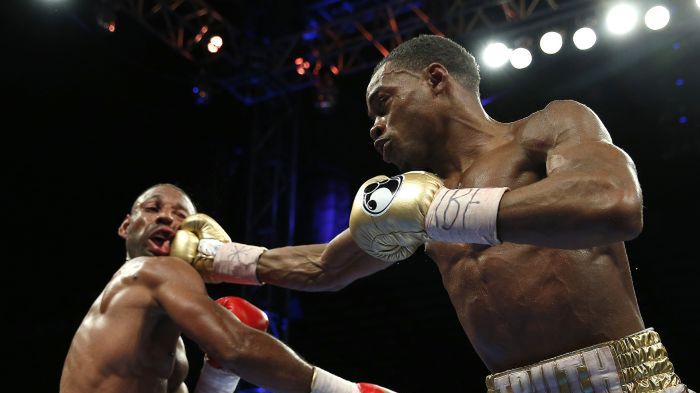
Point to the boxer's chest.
(507, 166)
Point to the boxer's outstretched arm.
(590, 195)
(318, 267)
(255, 356)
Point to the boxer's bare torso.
(126, 341)
(520, 304)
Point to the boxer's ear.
(437, 76)
(124, 225)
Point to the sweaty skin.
(129, 341)
(560, 281)
(126, 342)
(521, 303)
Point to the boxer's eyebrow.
(158, 199)
(371, 101)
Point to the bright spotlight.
(215, 43)
(520, 58)
(657, 17)
(621, 19)
(551, 42)
(496, 54)
(697, 2)
(584, 38)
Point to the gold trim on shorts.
(641, 365)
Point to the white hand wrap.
(236, 263)
(325, 382)
(466, 215)
(216, 380)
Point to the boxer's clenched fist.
(198, 241)
(392, 217)
(388, 214)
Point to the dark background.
(92, 119)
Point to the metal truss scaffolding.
(349, 35)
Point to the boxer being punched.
(129, 341)
(526, 222)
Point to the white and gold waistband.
(634, 364)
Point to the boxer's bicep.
(597, 159)
(182, 295)
(318, 267)
(582, 148)
(589, 195)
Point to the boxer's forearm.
(571, 211)
(263, 360)
(318, 267)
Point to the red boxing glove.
(370, 388)
(214, 379)
(246, 313)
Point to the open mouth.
(159, 241)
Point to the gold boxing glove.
(388, 214)
(198, 241)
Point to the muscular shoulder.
(561, 122)
(155, 271)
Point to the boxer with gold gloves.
(525, 220)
